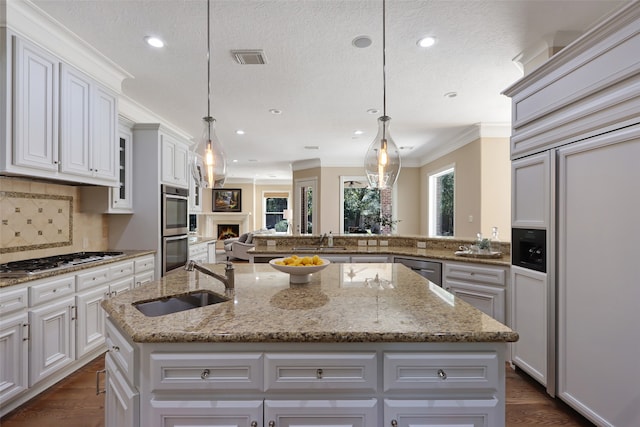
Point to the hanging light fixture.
(209, 165)
(382, 161)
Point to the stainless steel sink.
(176, 303)
(318, 248)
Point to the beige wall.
(90, 231)
(482, 188)
(407, 202)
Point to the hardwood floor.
(73, 403)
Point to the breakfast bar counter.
(361, 345)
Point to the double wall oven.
(175, 227)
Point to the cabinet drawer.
(438, 371)
(210, 371)
(143, 278)
(93, 277)
(144, 264)
(13, 299)
(321, 371)
(488, 275)
(123, 269)
(51, 289)
(121, 351)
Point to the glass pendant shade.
(209, 167)
(382, 161)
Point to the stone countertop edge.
(127, 255)
(201, 239)
(266, 308)
(429, 253)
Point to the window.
(276, 207)
(441, 206)
(360, 206)
(305, 206)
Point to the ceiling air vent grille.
(255, 56)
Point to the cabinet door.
(35, 107)
(529, 317)
(181, 165)
(90, 322)
(104, 140)
(441, 413)
(122, 196)
(122, 403)
(168, 155)
(531, 191)
(488, 299)
(240, 413)
(75, 89)
(14, 347)
(52, 344)
(321, 413)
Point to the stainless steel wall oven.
(175, 227)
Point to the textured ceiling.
(321, 82)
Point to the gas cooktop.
(40, 265)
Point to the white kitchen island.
(344, 350)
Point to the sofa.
(237, 247)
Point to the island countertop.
(338, 305)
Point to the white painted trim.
(138, 113)
(305, 164)
(28, 21)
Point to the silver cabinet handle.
(442, 374)
(319, 373)
(28, 335)
(98, 391)
(205, 374)
(74, 313)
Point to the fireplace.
(227, 231)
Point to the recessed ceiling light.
(235, 160)
(275, 111)
(427, 41)
(358, 132)
(451, 94)
(311, 147)
(373, 111)
(361, 42)
(154, 41)
(239, 132)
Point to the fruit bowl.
(300, 273)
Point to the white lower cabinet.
(227, 413)
(321, 413)
(482, 286)
(14, 349)
(441, 413)
(90, 328)
(52, 344)
(122, 402)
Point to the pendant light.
(382, 161)
(209, 165)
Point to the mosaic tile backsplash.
(35, 221)
(60, 228)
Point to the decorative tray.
(479, 255)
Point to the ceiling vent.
(254, 56)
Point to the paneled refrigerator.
(575, 148)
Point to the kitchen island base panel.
(367, 384)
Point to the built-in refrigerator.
(575, 150)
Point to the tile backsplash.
(42, 219)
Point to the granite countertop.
(127, 255)
(336, 306)
(430, 253)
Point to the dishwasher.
(431, 270)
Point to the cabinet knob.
(319, 373)
(115, 348)
(205, 374)
(272, 424)
(394, 423)
(254, 424)
(442, 374)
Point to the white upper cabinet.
(531, 191)
(88, 118)
(35, 112)
(175, 161)
(60, 122)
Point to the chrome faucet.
(228, 280)
(322, 238)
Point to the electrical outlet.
(362, 243)
(373, 242)
(422, 245)
(384, 243)
(470, 218)
(85, 243)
